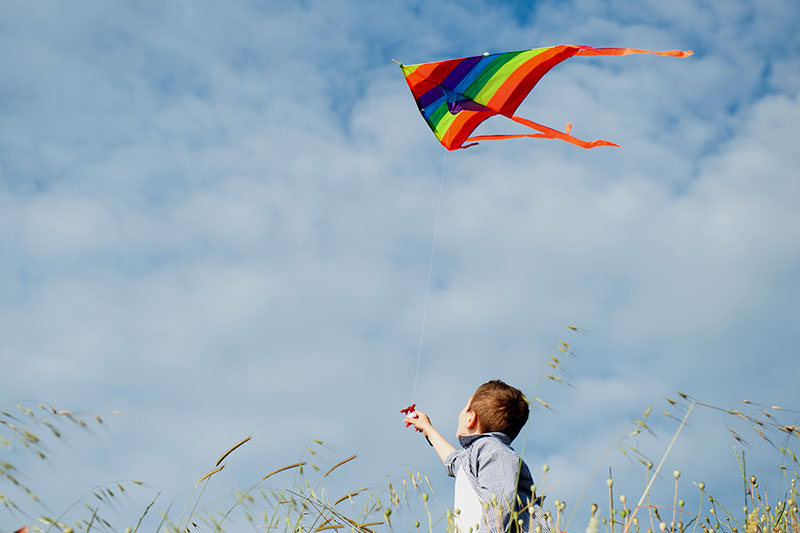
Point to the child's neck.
(473, 431)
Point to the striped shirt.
(491, 466)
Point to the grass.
(296, 498)
(304, 505)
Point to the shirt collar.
(466, 440)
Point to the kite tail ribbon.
(546, 133)
(589, 51)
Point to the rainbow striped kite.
(456, 95)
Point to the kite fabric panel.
(456, 95)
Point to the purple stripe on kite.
(472, 75)
(452, 79)
(458, 73)
(429, 97)
(465, 105)
(458, 102)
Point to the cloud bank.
(218, 219)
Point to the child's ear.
(472, 420)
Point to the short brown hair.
(499, 407)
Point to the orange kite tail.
(588, 51)
(546, 133)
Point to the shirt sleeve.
(452, 463)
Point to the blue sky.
(217, 218)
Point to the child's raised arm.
(420, 420)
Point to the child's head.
(499, 407)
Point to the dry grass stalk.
(337, 465)
(346, 497)
(226, 454)
(629, 522)
(296, 465)
(208, 475)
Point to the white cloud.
(220, 221)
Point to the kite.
(455, 96)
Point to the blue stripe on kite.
(457, 74)
(476, 71)
(429, 109)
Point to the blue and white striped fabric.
(501, 479)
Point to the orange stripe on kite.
(506, 90)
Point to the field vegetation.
(296, 497)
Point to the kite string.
(430, 273)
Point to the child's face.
(466, 421)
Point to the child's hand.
(420, 421)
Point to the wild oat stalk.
(658, 468)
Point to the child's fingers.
(418, 419)
(411, 420)
(422, 417)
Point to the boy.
(493, 484)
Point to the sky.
(217, 218)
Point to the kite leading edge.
(455, 96)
